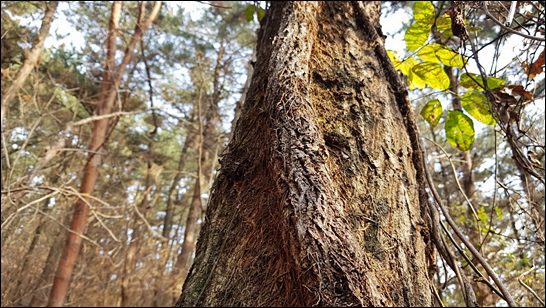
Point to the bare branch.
(498, 22)
(467, 243)
(529, 288)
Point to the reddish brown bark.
(109, 86)
(39, 297)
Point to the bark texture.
(317, 200)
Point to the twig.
(12, 216)
(103, 116)
(498, 22)
(467, 259)
(529, 288)
(456, 179)
(215, 5)
(31, 132)
(80, 196)
(154, 234)
(437, 296)
(460, 235)
(80, 235)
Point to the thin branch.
(215, 5)
(12, 216)
(529, 288)
(457, 180)
(437, 296)
(498, 22)
(472, 265)
(80, 235)
(81, 197)
(103, 116)
(467, 243)
(154, 233)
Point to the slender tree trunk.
(110, 83)
(317, 200)
(166, 247)
(190, 227)
(73, 244)
(39, 296)
(207, 147)
(42, 225)
(188, 143)
(31, 59)
(137, 227)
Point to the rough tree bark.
(317, 201)
(31, 59)
(108, 93)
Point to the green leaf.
(498, 211)
(415, 81)
(459, 130)
(475, 82)
(428, 53)
(394, 59)
(402, 66)
(405, 67)
(440, 54)
(249, 12)
(432, 112)
(449, 57)
(416, 35)
(261, 13)
(432, 74)
(423, 11)
(477, 105)
(443, 25)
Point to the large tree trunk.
(317, 200)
